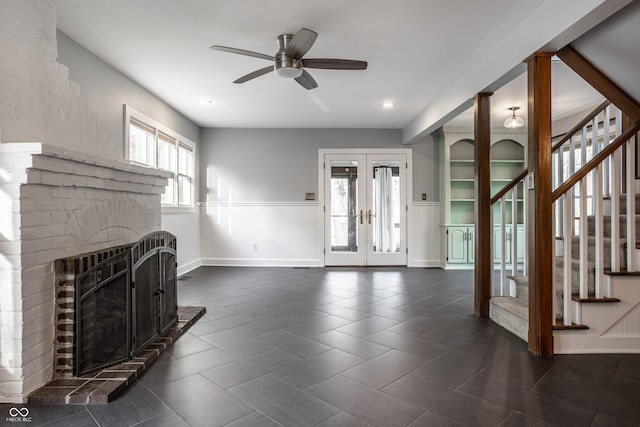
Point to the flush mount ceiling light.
(388, 104)
(514, 121)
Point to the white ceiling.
(416, 49)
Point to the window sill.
(170, 209)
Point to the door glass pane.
(386, 206)
(344, 206)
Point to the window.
(151, 144)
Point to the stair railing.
(584, 192)
(506, 234)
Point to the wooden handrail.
(600, 81)
(595, 161)
(580, 125)
(509, 186)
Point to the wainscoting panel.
(424, 235)
(260, 234)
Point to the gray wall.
(614, 47)
(281, 165)
(107, 90)
(426, 169)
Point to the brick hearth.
(107, 384)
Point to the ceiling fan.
(288, 61)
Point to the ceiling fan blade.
(253, 75)
(242, 52)
(300, 43)
(334, 64)
(306, 81)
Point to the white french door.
(365, 209)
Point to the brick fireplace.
(58, 203)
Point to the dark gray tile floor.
(356, 347)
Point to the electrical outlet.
(255, 246)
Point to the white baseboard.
(183, 269)
(425, 263)
(260, 262)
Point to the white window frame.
(132, 114)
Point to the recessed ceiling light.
(388, 104)
(206, 102)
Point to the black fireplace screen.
(103, 319)
(125, 302)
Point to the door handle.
(370, 215)
(360, 215)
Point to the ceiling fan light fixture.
(286, 67)
(514, 121)
(289, 72)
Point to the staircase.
(612, 317)
(596, 282)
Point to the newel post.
(482, 195)
(539, 205)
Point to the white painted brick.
(63, 71)
(12, 336)
(11, 191)
(11, 317)
(9, 375)
(10, 221)
(37, 272)
(61, 193)
(34, 177)
(11, 357)
(43, 231)
(36, 258)
(37, 356)
(10, 248)
(52, 178)
(11, 388)
(62, 242)
(42, 297)
(45, 333)
(50, 205)
(40, 376)
(35, 191)
(34, 246)
(10, 262)
(39, 322)
(8, 111)
(53, 164)
(31, 219)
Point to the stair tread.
(513, 305)
(593, 299)
(560, 326)
(621, 273)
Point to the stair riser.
(623, 203)
(591, 251)
(606, 222)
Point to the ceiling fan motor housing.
(285, 66)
